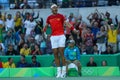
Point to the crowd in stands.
(69, 3)
(92, 63)
(37, 4)
(24, 35)
(100, 37)
(66, 3)
(21, 64)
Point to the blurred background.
(10, 4)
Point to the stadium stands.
(46, 60)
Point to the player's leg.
(54, 44)
(57, 62)
(61, 43)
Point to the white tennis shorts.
(58, 41)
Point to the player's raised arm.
(70, 26)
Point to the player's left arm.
(70, 26)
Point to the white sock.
(63, 75)
(58, 72)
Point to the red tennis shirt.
(56, 23)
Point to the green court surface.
(67, 78)
(51, 72)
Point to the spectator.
(117, 22)
(67, 32)
(72, 55)
(31, 42)
(104, 63)
(1, 6)
(118, 33)
(9, 22)
(36, 50)
(107, 18)
(88, 40)
(109, 50)
(94, 30)
(25, 5)
(1, 26)
(101, 36)
(79, 4)
(39, 27)
(88, 3)
(39, 30)
(118, 39)
(65, 3)
(95, 17)
(18, 36)
(43, 46)
(94, 3)
(71, 19)
(18, 21)
(10, 63)
(112, 36)
(11, 50)
(26, 15)
(1, 50)
(41, 3)
(38, 38)
(80, 24)
(17, 6)
(30, 26)
(1, 17)
(71, 3)
(95, 50)
(48, 46)
(1, 64)
(20, 44)
(83, 49)
(77, 38)
(25, 50)
(22, 62)
(83, 30)
(9, 39)
(34, 62)
(91, 62)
